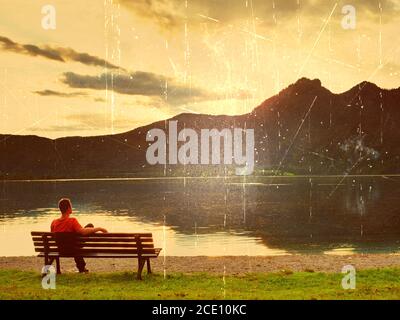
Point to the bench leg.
(140, 268)
(148, 266)
(58, 265)
(46, 263)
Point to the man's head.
(65, 206)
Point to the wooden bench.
(53, 246)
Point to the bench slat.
(90, 239)
(97, 245)
(80, 251)
(100, 235)
(104, 255)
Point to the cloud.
(58, 128)
(92, 120)
(172, 13)
(54, 53)
(166, 13)
(60, 94)
(140, 84)
(88, 122)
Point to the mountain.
(305, 129)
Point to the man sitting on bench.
(67, 224)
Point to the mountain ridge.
(319, 131)
(354, 88)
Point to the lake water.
(217, 216)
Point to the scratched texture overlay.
(236, 128)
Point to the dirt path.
(231, 265)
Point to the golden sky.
(112, 65)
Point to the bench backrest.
(71, 244)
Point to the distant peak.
(368, 85)
(303, 85)
(364, 86)
(305, 82)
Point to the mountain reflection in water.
(218, 216)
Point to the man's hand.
(89, 231)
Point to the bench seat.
(53, 246)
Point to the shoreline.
(229, 265)
(144, 178)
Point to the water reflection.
(224, 216)
(17, 231)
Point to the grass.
(371, 284)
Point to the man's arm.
(85, 231)
(89, 231)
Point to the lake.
(217, 216)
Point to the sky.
(110, 66)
